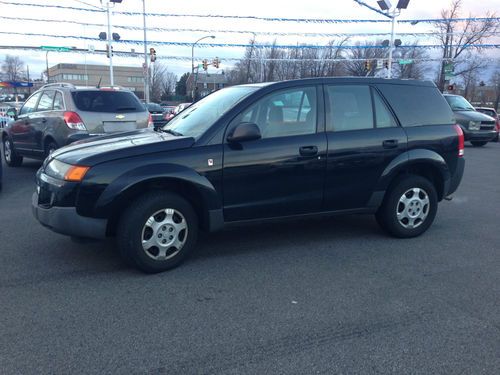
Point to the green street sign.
(54, 48)
(449, 68)
(405, 61)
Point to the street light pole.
(110, 50)
(391, 46)
(145, 65)
(47, 65)
(192, 61)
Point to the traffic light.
(205, 64)
(386, 64)
(216, 63)
(152, 54)
(368, 65)
(109, 51)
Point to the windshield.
(153, 107)
(200, 116)
(458, 103)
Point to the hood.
(465, 116)
(96, 150)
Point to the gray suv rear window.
(417, 105)
(107, 101)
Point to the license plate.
(119, 126)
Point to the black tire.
(478, 144)
(12, 158)
(387, 214)
(132, 230)
(50, 147)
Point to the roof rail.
(59, 84)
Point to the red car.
(492, 113)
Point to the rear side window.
(383, 117)
(58, 101)
(45, 103)
(107, 101)
(350, 108)
(417, 105)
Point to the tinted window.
(58, 101)
(417, 105)
(200, 116)
(284, 113)
(107, 101)
(153, 107)
(45, 103)
(383, 117)
(350, 108)
(30, 104)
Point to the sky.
(339, 9)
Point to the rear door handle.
(308, 150)
(390, 143)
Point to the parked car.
(158, 114)
(60, 113)
(492, 113)
(255, 153)
(478, 128)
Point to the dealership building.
(90, 75)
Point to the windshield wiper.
(463, 109)
(125, 109)
(170, 131)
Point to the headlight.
(64, 171)
(474, 125)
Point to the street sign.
(405, 61)
(55, 48)
(448, 76)
(380, 63)
(449, 68)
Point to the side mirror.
(11, 112)
(245, 131)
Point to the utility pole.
(145, 65)
(47, 64)
(110, 48)
(395, 13)
(28, 74)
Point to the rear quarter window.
(107, 101)
(417, 105)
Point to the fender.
(413, 157)
(111, 197)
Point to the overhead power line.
(255, 18)
(246, 32)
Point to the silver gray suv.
(61, 113)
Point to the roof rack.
(59, 84)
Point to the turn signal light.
(76, 173)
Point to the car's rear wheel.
(409, 207)
(157, 231)
(12, 158)
(478, 144)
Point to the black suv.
(60, 113)
(259, 152)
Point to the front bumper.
(479, 135)
(65, 220)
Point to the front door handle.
(308, 150)
(390, 143)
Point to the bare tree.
(13, 68)
(495, 82)
(162, 81)
(415, 70)
(365, 52)
(457, 37)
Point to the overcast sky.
(340, 9)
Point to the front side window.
(350, 108)
(200, 116)
(30, 104)
(284, 113)
(45, 103)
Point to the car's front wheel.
(12, 158)
(409, 207)
(157, 231)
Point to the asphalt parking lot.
(318, 296)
